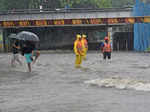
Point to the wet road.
(56, 86)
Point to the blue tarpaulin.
(141, 30)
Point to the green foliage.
(2, 7)
(123, 3)
(87, 3)
(148, 49)
(34, 4)
(16, 4)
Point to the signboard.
(59, 22)
(8, 23)
(26, 23)
(40, 23)
(76, 21)
(95, 21)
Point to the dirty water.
(119, 85)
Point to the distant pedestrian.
(78, 50)
(107, 49)
(15, 53)
(85, 46)
(101, 46)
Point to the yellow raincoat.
(78, 50)
(85, 46)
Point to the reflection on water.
(121, 83)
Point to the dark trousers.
(107, 54)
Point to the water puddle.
(141, 67)
(120, 83)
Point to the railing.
(21, 11)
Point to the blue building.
(141, 30)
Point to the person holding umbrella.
(27, 52)
(29, 46)
(15, 51)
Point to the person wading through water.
(27, 52)
(107, 49)
(78, 50)
(15, 53)
(85, 46)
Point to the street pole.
(41, 6)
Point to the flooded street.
(122, 85)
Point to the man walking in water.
(15, 51)
(78, 49)
(106, 49)
(85, 46)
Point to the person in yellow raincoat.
(78, 50)
(85, 46)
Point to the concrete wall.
(63, 37)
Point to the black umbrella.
(27, 36)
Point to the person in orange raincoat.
(106, 49)
(78, 50)
(85, 46)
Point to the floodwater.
(122, 85)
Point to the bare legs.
(36, 56)
(15, 58)
(29, 66)
(12, 63)
(19, 62)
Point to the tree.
(34, 4)
(122, 3)
(87, 3)
(13, 4)
(52, 4)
